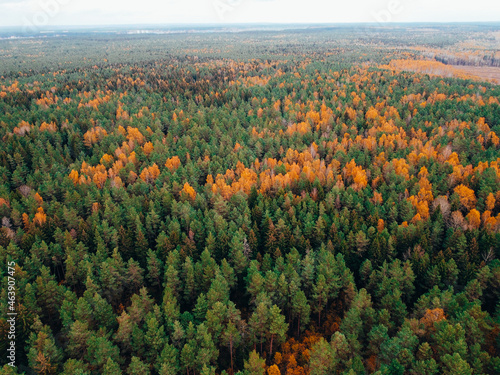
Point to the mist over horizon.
(151, 12)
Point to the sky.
(120, 12)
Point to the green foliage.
(247, 203)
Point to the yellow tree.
(189, 191)
(467, 196)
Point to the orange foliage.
(415, 219)
(425, 192)
(371, 363)
(106, 159)
(47, 99)
(371, 114)
(301, 128)
(97, 174)
(40, 217)
(132, 177)
(380, 225)
(467, 196)
(52, 127)
(244, 179)
(297, 165)
(428, 67)
(38, 199)
(148, 148)
(474, 218)
(273, 370)
(482, 125)
(173, 163)
(495, 140)
(121, 114)
(432, 316)
(149, 174)
(423, 172)
(93, 136)
(189, 191)
(74, 176)
(377, 198)
(294, 355)
(490, 222)
(351, 113)
(100, 98)
(255, 81)
(357, 174)
(122, 130)
(26, 221)
(100, 179)
(422, 209)
(116, 182)
(401, 168)
(134, 134)
(490, 202)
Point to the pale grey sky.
(111, 12)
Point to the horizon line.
(220, 24)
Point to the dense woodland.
(257, 203)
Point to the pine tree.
(277, 328)
(44, 357)
(137, 367)
(255, 365)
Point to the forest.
(303, 202)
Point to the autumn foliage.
(271, 202)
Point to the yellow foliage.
(474, 218)
(74, 176)
(148, 148)
(100, 178)
(117, 182)
(94, 135)
(277, 358)
(38, 199)
(149, 174)
(52, 127)
(273, 370)
(106, 158)
(490, 202)
(357, 174)
(467, 196)
(40, 217)
(377, 198)
(173, 163)
(121, 114)
(371, 114)
(187, 189)
(134, 134)
(380, 225)
(432, 316)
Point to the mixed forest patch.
(293, 202)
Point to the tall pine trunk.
(231, 354)
(271, 347)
